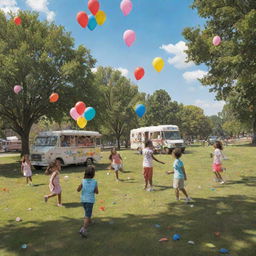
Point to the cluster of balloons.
(54, 97)
(81, 114)
(216, 41)
(140, 110)
(98, 17)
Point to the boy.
(179, 175)
(148, 165)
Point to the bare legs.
(52, 195)
(177, 193)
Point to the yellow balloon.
(81, 122)
(101, 17)
(158, 64)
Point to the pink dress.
(56, 189)
(26, 169)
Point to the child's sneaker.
(60, 205)
(45, 199)
(222, 182)
(188, 199)
(83, 232)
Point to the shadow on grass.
(138, 235)
(246, 180)
(72, 205)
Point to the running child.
(26, 169)
(88, 189)
(54, 170)
(148, 158)
(116, 162)
(179, 175)
(217, 161)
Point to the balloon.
(17, 20)
(129, 37)
(158, 64)
(216, 41)
(80, 107)
(176, 237)
(140, 110)
(17, 89)
(93, 6)
(82, 19)
(89, 113)
(139, 73)
(126, 7)
(81, 122)
(101, 17)
(74, 113)
(54, 97)
(92, 23)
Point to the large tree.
(232, 65)
(40, 57)
(117, 100)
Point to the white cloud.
(9, 6)
(94, 70)
(194, 75)
(179, 60)
(191, 89)
(210, 107)
(41, 6)
(123, 71)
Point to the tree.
(161, 109)
(117, 100)
(216, 124)
(231, 65)
(194, 123)
(41, 57)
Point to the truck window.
(156, 135)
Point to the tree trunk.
(25, 142)
(254, 133)
(118, 142)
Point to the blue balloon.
(92, 23)
(89, 113)
(176, 237)
(223, 250)
(140, 110)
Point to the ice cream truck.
(69, 146)
(165, 138)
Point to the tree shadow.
(246, 180)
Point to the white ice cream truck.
(70, 147)
(165, 138)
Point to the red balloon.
(17, 21)
(80, 107)
(54, 97)
(93, 6)
(82, 19)
(139, 73)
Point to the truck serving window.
(46, 141)
(172, 135)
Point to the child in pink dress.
(54, 170)
(116, 162)
(217, 161)
(26, 169)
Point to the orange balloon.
(54, 97)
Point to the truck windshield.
(173, 135)
(46, 141)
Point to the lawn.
(134, 220)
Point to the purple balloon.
(74, 113)
(129, 37)
(126, 7)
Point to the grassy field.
(128, 224)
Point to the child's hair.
(177, 153)
(218, 144)
(89, 172)
(111, 153)
(50, 168)
(23, 159)
(148, 143)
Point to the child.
(26, 169)
(88, 189)
(217, 158)
(116, 162)
(179, 175)
(148, 165)
(54, 170)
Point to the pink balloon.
(74, 113)
(126, 7)
(17, 89)
(216, 41)
(129, 37)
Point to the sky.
(158, 25)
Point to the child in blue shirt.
(179, 175)
(88, 189)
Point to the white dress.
(26, 169)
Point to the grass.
(127, 226)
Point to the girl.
(26, 169)
(116, 162)
(88, 189)
(217, 159)
(54, 170)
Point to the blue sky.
(158, 26)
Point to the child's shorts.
(116, 167)
(178, 183)
(88, 209)
(148, 172)
(217, 168)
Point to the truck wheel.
(183, 150)
(61, 161)
(89, 161)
